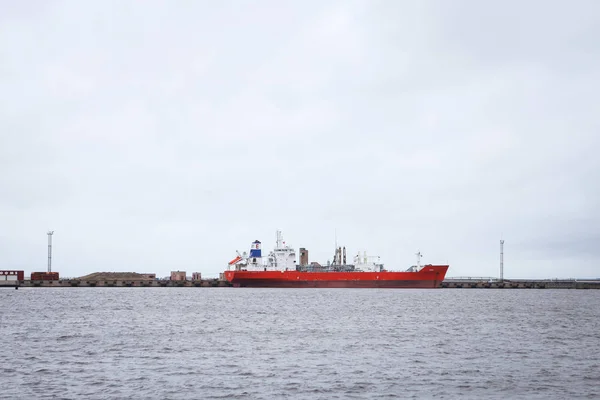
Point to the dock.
(494, 283)
(450, 283)
(125, 283)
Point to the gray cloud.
(168, 136)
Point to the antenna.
(501, 260)
(50, 233)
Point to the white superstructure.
(282, 258)
(362, 263)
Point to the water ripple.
(226, 343)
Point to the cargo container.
(44, 276)
(12, 275)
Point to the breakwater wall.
(463, 283)
(478, 283)
(125, 283)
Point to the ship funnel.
(255, 250)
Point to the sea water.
(241, 343)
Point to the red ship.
(279, 269)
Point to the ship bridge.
(281, 258)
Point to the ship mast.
(419, 255)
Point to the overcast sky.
(160, 135)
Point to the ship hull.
(431, 276)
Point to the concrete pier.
(125, 283)
(483, 283)
(451, 283)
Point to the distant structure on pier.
(46, 276)
(50, 233)
(501, 260)
(178, 276)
